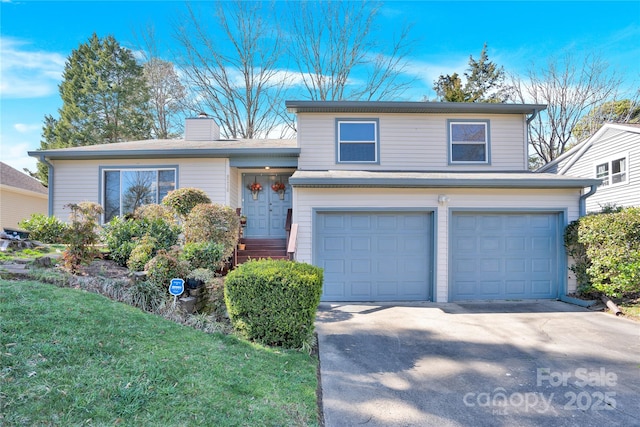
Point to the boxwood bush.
(274, 302)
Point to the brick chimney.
(201, 128)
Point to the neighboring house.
(20, 197)
(395, 200)
(612, 155)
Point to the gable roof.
(576, 152)
(11, 177)
(410, 107)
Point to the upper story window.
(127, 189)
(613, 171)
(468, 141)
(357, 141)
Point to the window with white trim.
(127, 189)
(357, 141)
(468, 141)
(613, 171)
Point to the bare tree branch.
(236, 76)
(335, 50)
(569, 89)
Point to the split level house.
(396, 201)
(612, 155)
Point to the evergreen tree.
(618, 111)
(485, 82)
(105, 99)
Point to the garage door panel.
(360, 244)
(541, 266)
(387, 289)
(515, 243)
(541, 287)
(336, 265)
(465, 244)
(517, 265)
(540, 243)
(336, 289)
(490, 222)
(387, 243)
(505, 256)
(360, 288)
(490, 244)
(490, 288)
(388, 255)
(387, 222)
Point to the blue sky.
(36, 37)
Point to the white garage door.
(504, 256)
(374, 256)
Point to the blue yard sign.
(176, 287)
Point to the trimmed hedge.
(612, 243)
(274, 302)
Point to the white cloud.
(27, 128)
(28, 73)
(15, 155)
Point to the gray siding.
(412, 142)
(613, 144)
(306, 199)
(76, 181)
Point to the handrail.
(293, 237)
(287, 223)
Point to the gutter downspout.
(583, 201)
(43, 159)
(526, 137)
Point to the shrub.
(215, 300)
(121, 235)
(612, 244)
(203, 254)
(81, 235)
(581, 261)
(213, 222)
(47, 229)
(183, 200)
(155, 211)
(142, 252)
(274, 302)
(145, 295)
(164, 267)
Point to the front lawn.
(68, 357)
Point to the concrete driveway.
(540, 363)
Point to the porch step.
(263, 248)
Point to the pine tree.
(105, 99)
(485, 82)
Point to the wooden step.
(262, 248)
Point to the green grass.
(631, 308)
(68, 358)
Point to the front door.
(266, 210)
